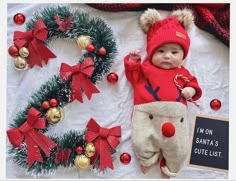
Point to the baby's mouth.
(167, 63)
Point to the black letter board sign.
(210, 143)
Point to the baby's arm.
(132, 63)
(191, 90)
(134, 55)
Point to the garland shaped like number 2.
(94, 145)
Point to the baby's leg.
(146, 169)
(144, 141)
(143, 144)
(171, 165)
(174, 147)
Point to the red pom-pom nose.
(168, 129)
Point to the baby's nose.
(167, 55)
(168, 129)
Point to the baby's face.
(168, 56)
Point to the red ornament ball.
(90, 48)
(13, 51)
(79, 150)
(19, 18)
(112, 78)
(102, 51)
(125, 158)
(215, 104)
(168, 129)
(53, 102)
(45, 105)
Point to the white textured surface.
(208, 59)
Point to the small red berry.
(90, 48)
(45, 105)
(79, 150)
(102, 51)
(53, 102)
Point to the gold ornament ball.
(82, 162)
(20, 63)
(83, 41)
(54, 115)
(24, 52)
(90, 150)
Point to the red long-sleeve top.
(151, 83)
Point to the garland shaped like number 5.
(93, 145)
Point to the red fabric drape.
(211, 17)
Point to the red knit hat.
(168, 30)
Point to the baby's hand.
(188, 93)
(134, 55)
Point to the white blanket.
(208, 60)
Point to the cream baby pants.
(160, 129)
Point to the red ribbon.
(63, 25)
(62, 155)
(79, 74)
(104, 139)
(33, 39)
(34, 139)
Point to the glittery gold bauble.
(54, 114)
(90, 150)
(24, 52)
(82, 162)
(83, 41)
(20, 63)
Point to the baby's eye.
(160, 50)
(174, 52)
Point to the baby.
(162, 87)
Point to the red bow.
(34, 139)
(80, 74)
(33, 39)
(104, 140)
(62, 155)
(63, 25)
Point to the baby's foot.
(166, 170)
(164, 176)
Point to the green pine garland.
(82, 24)
(54, 88)
(71, 140)
(101, 36)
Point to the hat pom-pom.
(148, 18)
(185, 17)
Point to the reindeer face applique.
(160, 131)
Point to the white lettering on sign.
(209, 131)
(202, 151)
(205, 131)
(207, 142)
(209, 147)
